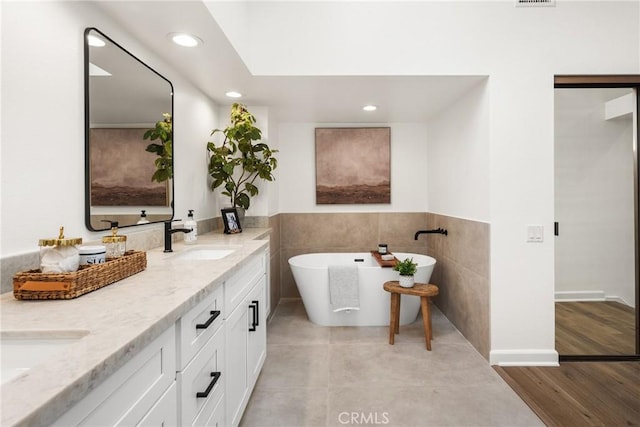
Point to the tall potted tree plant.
(241, 159)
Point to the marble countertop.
(117, 321)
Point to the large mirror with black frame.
(128, 137)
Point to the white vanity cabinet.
(201, 369)
(199, 372)
(142, 392)
(245, 344)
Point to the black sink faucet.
(436, 231)
(168, 232)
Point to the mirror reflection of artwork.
(353, 165)
(121, 169)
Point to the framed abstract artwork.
(353, 165)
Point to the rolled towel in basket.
(343, 287)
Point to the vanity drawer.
(198, 325)
(201, 384)
(239, 285)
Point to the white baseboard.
(530, 357)
(580, 296)
(618, 299)
(567, 296)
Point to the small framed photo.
(231, 222)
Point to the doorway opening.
(597, 263)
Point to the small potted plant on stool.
(407, 269)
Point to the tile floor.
(336, 376)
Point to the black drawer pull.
(205, 394)
(205, 325)
(257, 321)
(254, 310)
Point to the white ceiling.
(216, 68)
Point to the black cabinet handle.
(216, 377)
(257, 317)
(254, 309)
(205, 325)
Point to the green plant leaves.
(255, 160)
(164, 132)
(406, 267)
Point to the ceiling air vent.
(535, 3)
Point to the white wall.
(43, 122)
(297, 169)
(595, 249)
(458, 157)
(521, 49)
(272, 189)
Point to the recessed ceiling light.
(369, 108)
(186, 40)
(95, 41)
(233, 94)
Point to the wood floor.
(599, 327)
(585, 393)
(580, 393)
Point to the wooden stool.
(422, 290)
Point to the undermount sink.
(204, 253)
(22, 350)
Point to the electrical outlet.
(535, 233)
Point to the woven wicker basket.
(35, 285)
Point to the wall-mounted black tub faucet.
(436, 231)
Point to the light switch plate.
(535, 233)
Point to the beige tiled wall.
(345, 232)
(462, 273)
(275, 251)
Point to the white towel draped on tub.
(343, 287)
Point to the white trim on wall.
(530, 357)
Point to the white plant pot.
(406, 281)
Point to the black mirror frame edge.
(87, 159)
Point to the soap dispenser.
(143, 218)
(116, 244)
(190, 223)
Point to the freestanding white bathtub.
(311, 274)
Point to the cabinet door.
(257, 345)
(239, 285)
(165, 412)
(267, 286)
(125, 397)
(237, 381)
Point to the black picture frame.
(231, 221)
